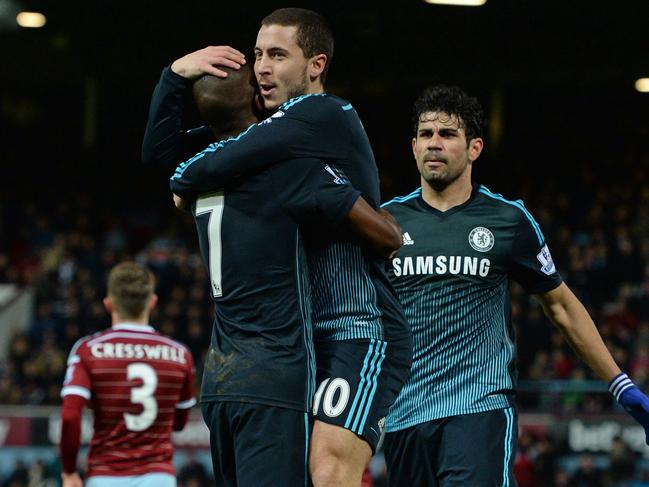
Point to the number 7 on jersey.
(213, 204)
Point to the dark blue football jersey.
(452, 275)
(262, 346)
(353, 296)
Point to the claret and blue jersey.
(452, 277)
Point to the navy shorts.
(254, 445)
(472, 449)
(358, 380)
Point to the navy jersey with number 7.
(261, 349)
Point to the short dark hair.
(314, 35)
(225, 102)
(451, 100)
(130, 286)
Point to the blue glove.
(632, 399)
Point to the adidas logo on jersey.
(407, 240)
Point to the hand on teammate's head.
(207, 60)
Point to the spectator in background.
(623, 461)
(524, 462)
(643, 480)
(39, 475)
(19, 477)
(587, 474)
(193, 474)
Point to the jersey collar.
(133, 327)
(425, 206)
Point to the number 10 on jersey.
(213, 204)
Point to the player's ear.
(153, 301)
(414, 145)
(108, 304)
(475, 148)
(316, 66)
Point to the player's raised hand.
(632, 399)
(207, 60)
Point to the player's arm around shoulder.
(318, 115)
(378, 229)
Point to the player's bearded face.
(440, 149)
(280, 65)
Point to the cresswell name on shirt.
(138, 351)
(440, 265)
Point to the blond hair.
(130, 287)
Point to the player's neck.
(234, 129)
(314, 88)
(443, 199)
(119, 320)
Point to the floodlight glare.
(461, 3)
(642, 85)
(32, 20)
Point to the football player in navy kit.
(259, 378)
(361, 338)
(454, 422)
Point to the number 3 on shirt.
(213, 204)
(142, 395)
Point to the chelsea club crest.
(481, 239)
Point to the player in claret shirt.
(454, 422)
(140, 385)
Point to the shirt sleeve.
(70, 432)
(77, 376)
(76, 390)
(188, 392)
(313, 190)
(312, 127)
(165, 142)
(532, 264)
